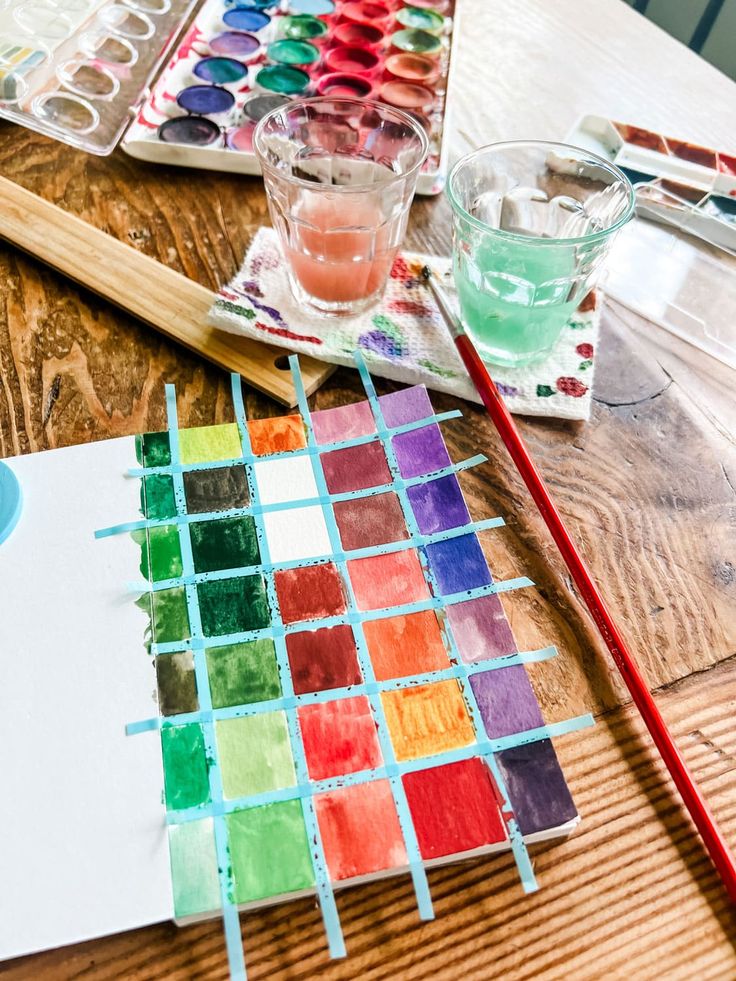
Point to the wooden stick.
(145, 288)
(623, 658)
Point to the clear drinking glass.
(532, 223)
(340, 176)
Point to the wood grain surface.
(648, 487)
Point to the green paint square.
(225, 543)
(157, 497)
(206, 444)
(153, 449)
(243, 673)
(169, 616)
(255, 754)
(194, 875)
(177, 683)
(186, 780)
(161, 557)
(269, 850)
(233, 606)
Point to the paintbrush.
(689, 790)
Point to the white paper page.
(83, 846)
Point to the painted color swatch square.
(255, 754)
(438, 505)
(404, 645)
(310, 593)
(269, 851)
(480, 629)
(339, 737)
(323, 659)
(427, 720)
(194, 875)
(454, 808)
(161, 556)
(216, 489)
(225, 543)
(458, 564)
(406, 405)
(297, 533)
(356, 468)
(342, 423)
(506, 701)
(169, 615)
(186, 778)
(364, 522)
(157, 497)
(240, 674)
(360, 830)
(207, 444)
(287, 479)
(177, 685)
(383, 581)
(278, 435)
(233, 606)
(420, 452)
(153, 449)
(536, 786)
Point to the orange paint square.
(427, 720)
(383, 581)
(360, 830)
(403, 645)
(278, 435)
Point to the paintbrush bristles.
(453, 322)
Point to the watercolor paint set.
(337, 693)
(237, 62)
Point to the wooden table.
(648, 487)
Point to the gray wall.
(680, 18)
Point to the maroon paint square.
(356, 468)
(322, 659)
(309, 593)
(367, 521)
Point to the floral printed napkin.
(404, 338)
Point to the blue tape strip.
(418, 872)
(253, 509)
(335, 694)
(231, 920)
(518, 846)
(328, 906)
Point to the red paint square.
(454, 808)
(383, 581)
(339, 737)
(322, 659)
(309, 593)
(355, 468)
(360, 830)
(367, 521)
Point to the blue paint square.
(458, 564)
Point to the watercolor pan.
(393, 52)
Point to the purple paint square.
(506, 701)
(408, 405)
(421, 451)
(480, 629)
(438, 505)
(458, 564)
(536, 786)
(343, 422)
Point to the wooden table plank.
(647, 486)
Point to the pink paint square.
(343, 422)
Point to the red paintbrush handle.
(689, 790)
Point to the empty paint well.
(191, 130)
(205, 100)
(236, 44)
(358, 35)
(351, 59)
(282, 78)
(340, 85)
(220, 70)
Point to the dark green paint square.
(153, 449)
(186, 777)
(243, 673)
(177, 684)
(233, 606)
(225, 543)
(169, 616)
(216, 489)
(157, 497)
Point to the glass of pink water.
(340, 176)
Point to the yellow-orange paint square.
(278, 435)
(427, 720)
(403, 645)
(383, 581)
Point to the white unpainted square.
(297, 533)
(288, 479)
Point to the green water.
(515, 298)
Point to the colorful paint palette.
(395, 53)
(340, 692)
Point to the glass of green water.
(532, 223)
